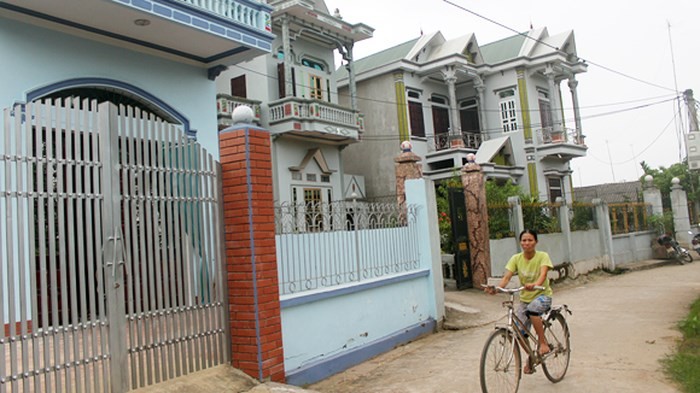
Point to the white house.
(294, 95)
(501, 101)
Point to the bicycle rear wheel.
(500, 363)
(685, 257)
(556, 363)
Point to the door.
(458, 215)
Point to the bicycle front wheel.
(557, 362)
(500, 363)
(686, 257)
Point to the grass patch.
(684, 366)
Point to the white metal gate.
(110, 237)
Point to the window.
(312, 64)
(509, 119)
(316, 89)
(314, 210)
(545, 109)
(415, 114)
(282, 83)
(555, 189)
(238, 88)
(469, 116)
(441, 115)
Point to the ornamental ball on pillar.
(242, 114)
(648, 179)
(406, 146)
(471, 158)
(675, 181)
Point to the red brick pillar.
(249, 218)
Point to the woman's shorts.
(537, 307)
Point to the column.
(450, 76)
(407, 168)
(603, 219)
(679, 205)
(251, 262)
(477, 221)
(573, 84)
(351, 76)
(565, 226)
(555, 104)
(524, 105)
(652, 196)
(480, 89)
(516, 210)
(401, 106)
(287, 49)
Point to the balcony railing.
(250, 13)
(225, 104)
(549, 135)
(314, 115)
(468, 140)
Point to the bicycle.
(501, 364)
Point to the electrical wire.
(556, 48)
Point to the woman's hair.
(530, 231)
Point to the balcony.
(225, 104)
(206, 32)
(465, 140)
(315, 119)
(563, 144)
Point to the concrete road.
(621, 327)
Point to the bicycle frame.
(527, 342)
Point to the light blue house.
(160, 55)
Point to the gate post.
(477, 221)
(407, 168)
(251, 258)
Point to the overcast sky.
(630, 37)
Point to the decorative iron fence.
(629, 217)
(322, 245)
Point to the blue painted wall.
(33, 57)
(331, 330)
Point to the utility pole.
(692, 111)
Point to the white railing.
(549, 135)
(313, 110)
(238, 11)
(225, 105)
(330, 244)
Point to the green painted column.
(401, 106)
(524, 105)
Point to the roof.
(502, 50)
(610, 193)
(490, 148)
(387, 56)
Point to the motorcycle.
(680, 254)
(695, 241)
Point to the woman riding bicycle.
(532, 267)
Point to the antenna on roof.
(531, 25)
(421, 31)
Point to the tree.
(663, 176)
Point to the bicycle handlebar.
(510, 290)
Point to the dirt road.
(621, 327)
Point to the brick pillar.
(249, 218)
(407, 167)
(477, 221)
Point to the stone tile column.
(681, 218)
(251, 262)
(652, 196)
(477, 221)
(407, 167)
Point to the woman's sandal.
(528, 369)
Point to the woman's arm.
(540, 280)
(506, 279)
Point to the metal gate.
(110, 237)
(462, 271)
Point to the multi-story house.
(294, 96)
(501, 101)
(130, 52)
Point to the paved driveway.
(622, 325)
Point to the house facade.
(500, 101)
(130, 52)
(294, 96)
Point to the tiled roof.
(502, 50)
(610, 193)
(387, 56)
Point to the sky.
(636, 65)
